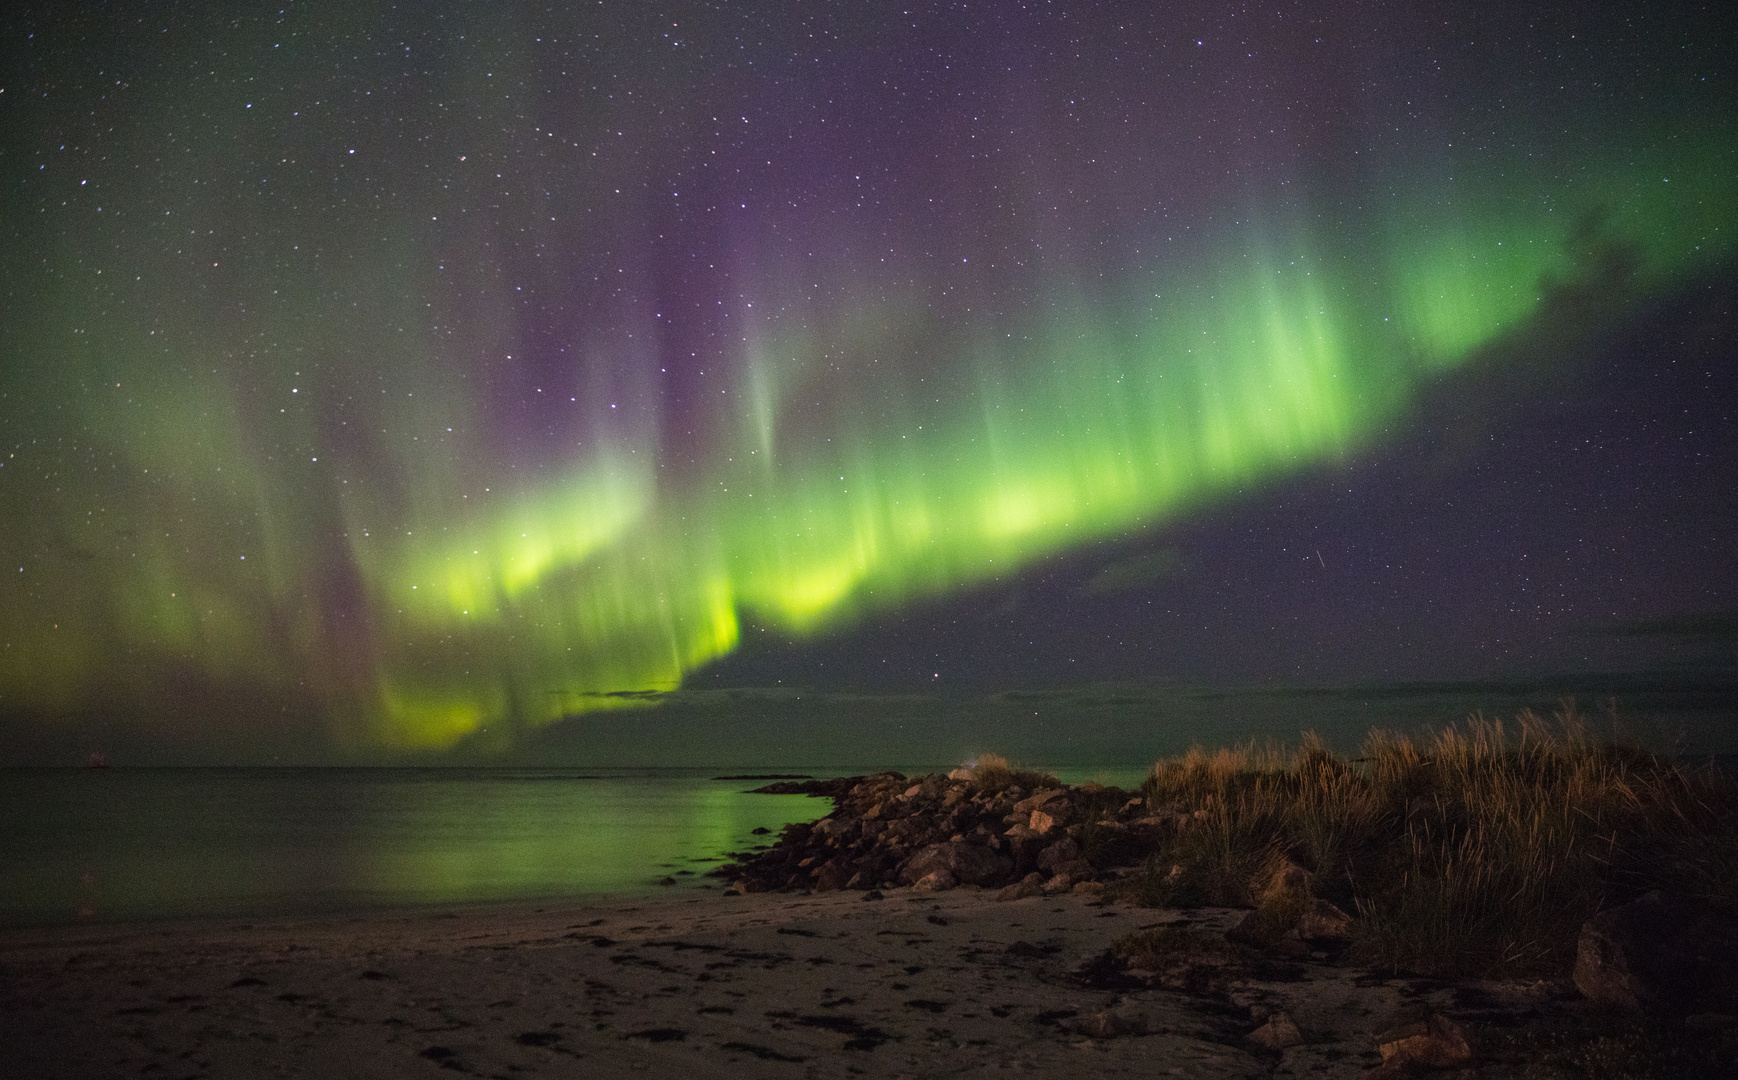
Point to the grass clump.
(1479, 849)
(993, 774)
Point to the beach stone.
(1659, 954)
(1035, 802)
(1030, 885)
(1041, 822)
(1078, 869)
(1058, 811)
(1149, 833)
(1053, 857)
(832, 877)
(1324, 922)
(970, 863)
(934, 881)
(1417, 1037)
(1111, 1024)
(1278, 1033)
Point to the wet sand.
(692, 984)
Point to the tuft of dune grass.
(1476, 850)
(994, 774)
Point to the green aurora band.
(862, 453)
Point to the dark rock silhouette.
(1660, 954)
(942, 831)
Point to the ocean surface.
(128, 843)
(101, 845)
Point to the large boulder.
(1062, 852)
(969, 864)
(1660, 954)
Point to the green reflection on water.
(143, 843)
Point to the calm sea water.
(125, 843)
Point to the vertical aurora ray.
(465, 414)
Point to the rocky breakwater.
(1024, 833)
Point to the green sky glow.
(276, 466)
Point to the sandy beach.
(696, 984)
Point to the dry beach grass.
(1478, 850)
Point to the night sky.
(395, 378)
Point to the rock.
(1055, 813)
(832, 878)
(1252, 929)
(1088, 888)
(1030, 885)
(1278, 1033)
(1659, 954)
(890, 828)
(1051, 859)
(1110, 1024)
(1417, 1038)
(1078, 869)
(1324, 922)
(1290, 947)
(1150, 833)
(1281, 906)
(934, 881)
(1025, 806)
(972, 864)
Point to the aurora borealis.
(408, 373)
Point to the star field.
(400, 374)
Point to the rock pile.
(1028, 834)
